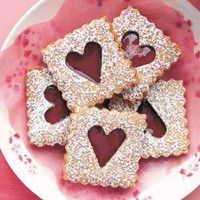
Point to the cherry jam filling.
(105, 146)
(88, 64)
(154, 122)
(139, 55)
(59, 110)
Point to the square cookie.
(78, 87)
(167, 99)
(41, 106)
(166, 52)
(82, 163)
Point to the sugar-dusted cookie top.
(79, 87)
(47, 112)
(167, 100)
(92, 133)
(131, 26)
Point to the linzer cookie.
(150, 51)
(104, 147)
(68, 60)
(166, 99)
(47, 111)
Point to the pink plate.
(41, 168)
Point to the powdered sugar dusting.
(72, 15)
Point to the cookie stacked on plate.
(92, 99)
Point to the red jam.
(154, 122)
(88, 64)
(59, 110)
(105, 146)
(139, 55)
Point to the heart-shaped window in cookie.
(59, 110)
(139, 55)
(87, 64)
(154, 122)
(105, 146)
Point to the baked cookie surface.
(81, 162)
(79, 89)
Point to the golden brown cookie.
(42, 132)
(79, 89)
(167, 99)
(82, 162)
(166, 52)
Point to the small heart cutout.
(89, 64)
(105, 146)
(59, 111)
(154, 122)
(139, 55)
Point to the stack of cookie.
(71, 95)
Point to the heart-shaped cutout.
(89, 64)
(59, 111)
(105, 146)
(139, 55)
(154, 122)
